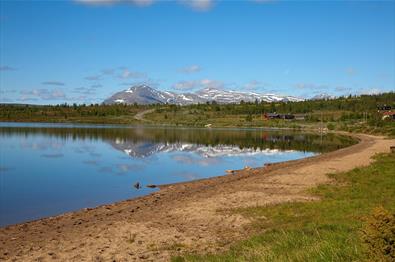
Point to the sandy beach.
(192, 216)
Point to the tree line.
(350, 107)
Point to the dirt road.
(179, 217)
(140, 115)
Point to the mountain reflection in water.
(142, 139)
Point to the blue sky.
(83, 51)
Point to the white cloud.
(198, 84)
(120, 72)
(53, 83)
(113, 2)
(142, 2)
(6, 99)
(255, 84)
(341, 89)
(351, 71)
(97, 2)
(154, 83)
(208, 83)
(93, 78)
(262, 1)
(96, 86)
(190, 69)
(85, 91)
(131, 74)
(108, 71)
(7, 91)
(43, 94)
(311, 86)
(186, 85)
(199, 5)
(7, 68)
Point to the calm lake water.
(49, 169)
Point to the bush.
(378, 235)
(331, 126)
(249, 118)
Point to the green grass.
(200, 118)
(325, 230)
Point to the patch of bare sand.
(179, 217)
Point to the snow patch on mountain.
(323, 96)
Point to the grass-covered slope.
(353, 221)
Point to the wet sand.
(192, 216)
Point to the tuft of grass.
(132, 238)
(325, 230)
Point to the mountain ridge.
(144, 94)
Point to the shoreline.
(185, 214)
(147, 125)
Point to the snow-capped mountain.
(143, 94)
(323, 96)
(229, 96)
(146, 149)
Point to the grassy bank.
(200, 118)
(353, 221)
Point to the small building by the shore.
(268, 116)
(390, 115)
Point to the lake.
(49, 169)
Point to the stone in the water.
(151, 186)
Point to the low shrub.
(378, 235)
